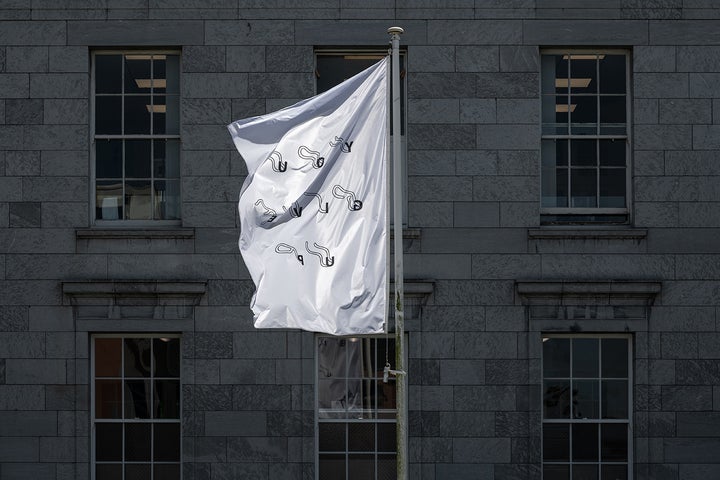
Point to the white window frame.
(380, 53)
(599, 421)
(123, 421)
(318, 420)
(122, 223)
(593, 211)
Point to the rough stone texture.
(474, 169)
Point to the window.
(356, 411)
(585, 137)
(136, 141)
(586, 407)
(135, 407)
(333, 68)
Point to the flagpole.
(401, 377)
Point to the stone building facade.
(562, 242)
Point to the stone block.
(431, 163)
(517, 58)
(55, 137)
(475, 214)
(437, 266)
(507, 85)
(13, 319)
(206, 111)
(246, 424)
(481, 450)
(62, 163)
(518, 111)
(645, 111)
(256, 32)
(28, 424)
(704, 85)
(259, 345)
(507, 137)
(22, 344)
(57, 449)
(706, 137)
(666, 137)
(441, 189)
(168, 266)
(505, 188)
(211, 189)
(57, 266)
(287, 85)
(22, 397)
(213, 345)
(60, 345)
(203, 59)
(352, 33)
(661, 372)
(450, 318)
(686, 398)
(474, 32)
(653, 58)
(64, 215)
(257, 449)
(33, 33)
(23, 111)
(68, 59)
(690, 450)
(488, 267)
(433, 111)
(287, 59)
(247, 372)
(24, 215)
(66, 111)
(215, 85)
(478, 110)
(661, 85)
(245, 59)
(27, 371)
(442, 85)
(506, 372)
(434, 59)
(585, 32)
(58, 85)
(143, 32)
(15, 85)
(27, 59)
(18, 449)
(684, 32)
(262, 397)
(22, 163)
(697, 372)
(486, 345)
(699, 267)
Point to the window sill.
(558, 233)
(134, 233)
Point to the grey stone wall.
(473, 199)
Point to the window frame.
(381, 52)
(374, 420)
(123, 421)
(121, 222)
(550, 212)
(598, 421)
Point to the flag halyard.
(313, 209)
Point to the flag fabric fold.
(313, 209)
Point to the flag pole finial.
(395, 31)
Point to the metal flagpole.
(401, 377)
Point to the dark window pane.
(361, 467)
(585, 442)
(167, 399)
(586, 399)
(137, 73)
(614, 357)
(361, 437)
(108, 399)
(106, 471)
(137, 115)
(556, 399)
(331, 437)
(166, 472)
(583, 72)
(612, 153)
(108, 159)
(555, 188)
(172, 72)
(554, 153)
(613, 472)
(137, 158)
(612, 187)
(556, 357)
(137, 442)
(166, 442)
(583, 118)
(387, 438)
(108, 442)
(108, 199)
(166, 115)
(556, 472)
(556, 443)
(331, 467)
(386, 467)
(159, 74)
(614, 442)
(585, 472)
(585, 357)
(137, 472)
(137, 398)
(167, 199)
(108, 115)
(138, 200)
(159, 112)
(108, 357)
(331, 357)
(583, 185)
(583, 153)
(613, 110)
(137, 357)
(166, 353)
(614, 399)
(166, 158)
(555, 110)
(612, 74)
(108, 73)
(554, 74)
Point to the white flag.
(313, 210)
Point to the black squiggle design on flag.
(327, 260)
(353, 204)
